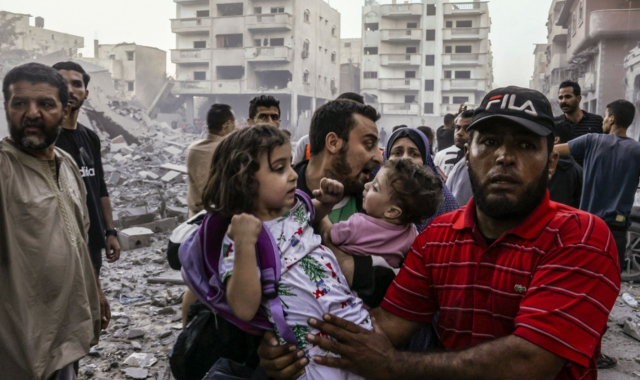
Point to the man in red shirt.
(522, 286)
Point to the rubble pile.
(622, 340)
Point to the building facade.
(350, 63)
(539, 67)
(138, 72)
(423, 59)
(36, 39)
(230, 51)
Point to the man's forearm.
(107, 213)
(510, 357)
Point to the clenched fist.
(244, 229)
(330, 192)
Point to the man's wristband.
(112, 232)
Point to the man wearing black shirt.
(580, 122)
(444, 134)
(84, 146)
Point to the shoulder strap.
(306, 200)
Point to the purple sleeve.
(343, 232)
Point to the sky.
(516, 26)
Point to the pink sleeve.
(343, 232)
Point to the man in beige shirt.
(50, 312)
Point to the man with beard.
(84, 146)
(50, 312)
(522, 286)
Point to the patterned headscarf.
(422, 143)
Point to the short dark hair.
(262, 101)
(624, 112)
(449, 118)
(466, 114)
(72, 66)
(415, 189)
(550, 140)
(576, 87)
(563, 132)
(36, 73)
(352, 96)
(336, 116)
(217, 116)
(231, 186)
(429, 133)
(398, 127)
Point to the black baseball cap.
(524, 106)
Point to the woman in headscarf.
(412, 144)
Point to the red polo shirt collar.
(530, 229)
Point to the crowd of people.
(499, 257)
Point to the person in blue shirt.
(611, 171)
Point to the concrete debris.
(172, 150)
(135, 334)
(134, 238)
(632, 329)
(172, 176)
(140, 360)
(177, 168)
(136, 373)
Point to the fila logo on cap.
(509, 101)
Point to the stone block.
(134, 216)
(172, 176)
(178, 168)
(118, 140)
(114, 179)
(180, 213)
(172, 150)
(162, 225)
(149, 175)
(134, 238)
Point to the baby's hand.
(330, 192)
(244, 229)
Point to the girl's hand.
(330, 192)
(244, 229)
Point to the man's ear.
(86, 96)
(466, 153)
(556, 140)
(393, 212)
(579, 97)
(333, 143)
(554, 157)
(67, 111)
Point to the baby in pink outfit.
(401, 195)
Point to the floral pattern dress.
(311, 284)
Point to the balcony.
(370, 83)
(402, 10)
(400, 59)
(614, 23)
(269, 22)
(588, 82)
(401, 35)
(557, 61)
(191, 25)
(190, 55)
(465, 59)
(465, 8)
(400, 84)
(412, 109)
(461, 34)
(184, 87)
(464, 84)
(269, 54)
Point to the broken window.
(229, 72)
(307, 16)
(370, 51)
(277, 9)
(305, 76)
(202, 13)
(273, 79)
(130, 55)
(370, 74)
(234, 9)
(199, 75)
(463, 75)
(199, 44)
(305, 49)
(257, 10)
(333, 57)
(277, 42)
(228, 41)
(130, 86)
(463, 49)
(371, 26)
(464, 24)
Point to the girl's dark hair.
(231, 185)
(415, 189)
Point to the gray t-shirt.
(611, 173)
(459, 183)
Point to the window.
(445, 100)
(257, 42)
(411, 50)
(202, 13)
(230, 41)
(333, 30)
(333, 57)
(447, 74)
(277, 41)
(370, 74)
(277, 9)
(448, 49)
(199, 75)
(257, 10)
(464, 24)
(429, 84)
(429, 60)
(581, 13)
(463, 74)
(199, 44)
(229, 72)
(347, 44)
(130, 56)
(431, 34)
(409, 98)
(234, 9)
(428, 108)
(449, 24)
(307, 16)
(463, 49)
(431, 9)
(412, 25)
(130, 86)
(371, 51)
(409, 74)
(371, 26)
(305, 76)
(460, 99)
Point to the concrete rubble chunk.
(172, 176)
(108, 168)
(136, 373)
(118, 140)
(114, 179)
(162, 225)
(135, 334)
(149, 175)
(632, 329)
(118, 157)
(134, 238)
(140, 360)
(178, 212)
(172, 150)
(134, 216)
(178, 168)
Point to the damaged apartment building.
(231, 51)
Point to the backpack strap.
(306, 200)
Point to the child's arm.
(244, 290)
(328, 195)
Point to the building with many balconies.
(230, 51)
(422, 59)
